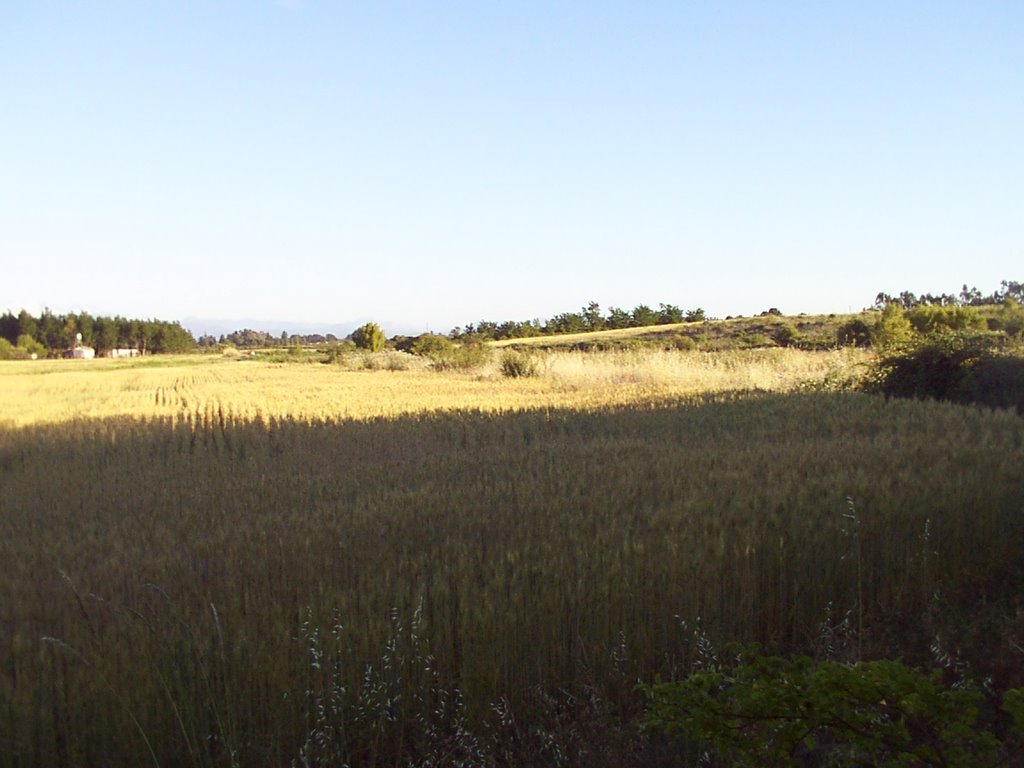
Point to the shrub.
(335, 353)
(369, 337)
(466, 357)
(459, 357)
(892, 329)
(388, 361)
(960, 368)
(772, 711)
(684, 343)
(431, 346)
(854, 333)
(930, 319)
(7, 350)
(756, 340)
(934, 368)
(996, 381)
(1009, 319)
(30, 345)
(517, 364)
(444, 355)
(786, 335)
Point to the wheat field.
(212, 387)
(233, 562)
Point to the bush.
(1009, 319)
(444, 355)
(929, 319)
(684, 343)
(431, 346)
(389, 361)
(30, 345)
(291, 355)
(336, 353)
(892, 330)
(466, 357)
(854, 333)
(8, 350)
(369, 337)
(786, 335)
(772, 711)
(756, 341)
(517, 364)
(960, 368)
(996, 381)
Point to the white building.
(80, 352)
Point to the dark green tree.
(1011, 289)
(643, 316)
(104, 335)
(9, 327)
(592, 319)
(51, 329)
(669, 314)
(85, 325)
(618, 318)
(369, 337)
(567, 322)
(27, 324)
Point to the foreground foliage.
(959, 367)
(772, 711)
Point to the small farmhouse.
(83, 353)
(80, 351)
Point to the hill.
(767, 330)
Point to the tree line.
(589, 318)
(968, 297)
(50, 334)
(247, 338)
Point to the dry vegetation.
(217, 562)
(205, 389)
(807, 331)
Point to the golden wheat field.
(243, 563)
(213, 387)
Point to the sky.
(431, 164)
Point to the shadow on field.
(475, 586)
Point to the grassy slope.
(816, 331)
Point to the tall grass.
(164, 574)
(388, 385)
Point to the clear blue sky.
(427, 164)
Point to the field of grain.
(214, 562)
(213, 388)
